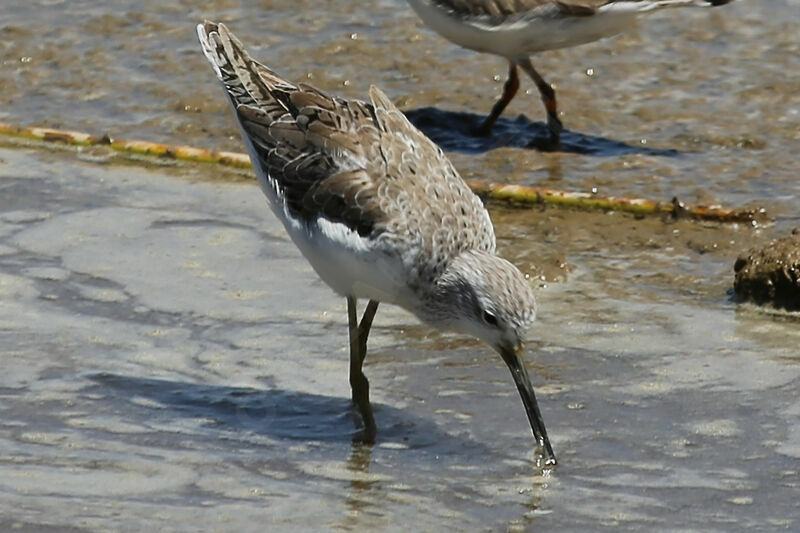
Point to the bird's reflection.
(358, 463)
(362, 489)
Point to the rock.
(771, 274)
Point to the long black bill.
(520, 374)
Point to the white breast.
(526, 36)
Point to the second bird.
(517, 29)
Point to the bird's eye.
(489, 318)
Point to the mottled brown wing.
(362, 165)
(304, 141)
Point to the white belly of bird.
(527, 36)
(350, 264)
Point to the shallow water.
(171, 363)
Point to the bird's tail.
(247, 82)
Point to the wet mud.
(170, 362)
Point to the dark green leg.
(358, 352)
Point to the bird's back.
(347, 170)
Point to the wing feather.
(360, 164)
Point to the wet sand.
(171, 362)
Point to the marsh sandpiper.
(379, 212)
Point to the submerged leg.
(548, 99)
(358, 352)
(509, 90)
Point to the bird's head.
(487, 297)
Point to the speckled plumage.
(361, 165)
(379, 212)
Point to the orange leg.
(548, 99)
(509, 90)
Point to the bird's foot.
(550, 143)
(482, 130)
(365, 437)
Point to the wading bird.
(379, 212)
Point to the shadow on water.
(276, 413)
(453, 131)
